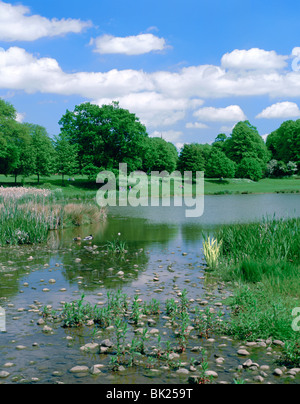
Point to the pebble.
(91, 348)
(20, 347)
(243, 352)
(258, 379)
(4, 375)
(47, 329)
(94, 370)
(79, 369)
(278, 372)
(211, 373)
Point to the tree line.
(93, 139)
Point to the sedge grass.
(263, 260)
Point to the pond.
(164, 258)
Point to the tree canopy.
(94, 138)
(191, 158)
(284, 143)
(245, 141)
(105, 136)
(160, 155)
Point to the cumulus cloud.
(169, 135)
(159, 98)
(280, 110)
(155, 109)
(253, 59)
(196, 125)
(24, 71)
(232, 113)
(130, 45)
(17, 25)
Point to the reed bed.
(28, 214)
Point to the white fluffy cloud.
(170, 135)
(155, 109)
(253, 59)
(232, 113)
(130, 45)
(24, 71)
(280, 110)
(17, 25)
(196, 125)
(159, 98)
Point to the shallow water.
(164, 257)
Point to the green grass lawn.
(267, 185)
(82, 187)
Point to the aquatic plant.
(211, 250)
(116, 245)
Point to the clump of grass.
(116, 245)
(264, 259)
(211, 250)
(78, 214)
(271, 239)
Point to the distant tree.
(245, 141)
(219, 165)
(251, 168)
(15, 143)
(66, 156)
(105, 136)
(191, 158)
(284, 143)
(160, 155)
(220, 141)
(280, 169)
(43, 150)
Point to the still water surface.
(162, 243)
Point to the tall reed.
(27, 215)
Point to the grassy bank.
(28, 214)
(262, 260)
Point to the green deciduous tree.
(191, 158)
(284, 143)
(245, 141)
(160, 155)
(250, 168)
(43, 151)
(15, 143)
(219, 165)
(105, 136)
(66, 156)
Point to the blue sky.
(188, 69)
